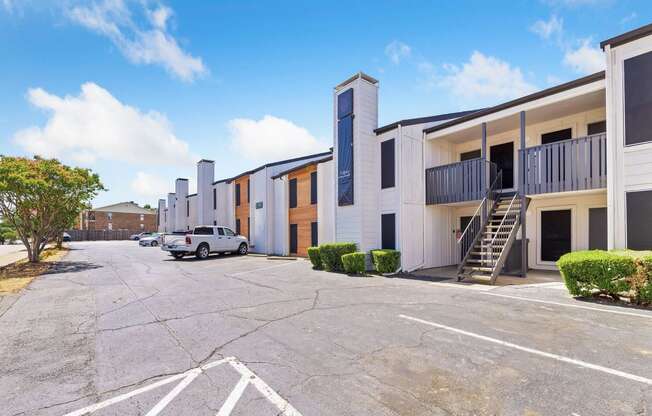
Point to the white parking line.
(556, 357)
(591, 308)
(247, 377)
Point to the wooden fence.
(97, 235)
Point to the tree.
(40, 198)
(7, 233)
(148, 206)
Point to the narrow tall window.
(293, 193)
(313, 188)
(387, 164)
(388, 231)
(638, 224)
(248, 193)
(187, 208)
(214, 198)
(248, 228)
(638, 99)
(237, 226)
(314, 237)
(237, 194)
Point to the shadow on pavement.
(57, 267)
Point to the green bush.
(386, 261)
(643, 285)
(315, 258)
(331, 255)
(597, 272)
(354, 263)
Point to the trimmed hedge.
(315, 258)
(354, 263)
(613, 273)
(386, 261)
(331, 255)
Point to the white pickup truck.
(204, 240)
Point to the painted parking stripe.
(174, 392)
(591, 308)
(556, 357)
(234, 396)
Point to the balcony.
(570, 165)
(459, 182)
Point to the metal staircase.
(488, 238)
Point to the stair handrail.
(509, 209)
(491, 189)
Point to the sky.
(140, 90)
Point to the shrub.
(315, 258)
(331, 255)
(354, 263)
(644, 288)
(590, 272)
(386, 261)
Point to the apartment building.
(120, 216)
(498, 190)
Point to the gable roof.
(421, 120)
(522, 100)
(303, 165)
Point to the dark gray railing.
(458, 182)
(569, 165)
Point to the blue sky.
(139, 90)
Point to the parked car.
(152, 240)
(204, 240)
(66, 237)
(139, 236)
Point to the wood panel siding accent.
(242, 210)
(305, 213)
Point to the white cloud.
(485, 78)
(147, 43)
(95, 125)
(397, 50)
(271, 138)
(548, 29)
(149, 185)
(585, 59)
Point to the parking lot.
(119, 329)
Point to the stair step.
(478, 269)
(485, 253)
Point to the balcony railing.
(459, 182)
(569, 165)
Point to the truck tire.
(177, 255)
(154, 244)
(202, 251)
(242, 250)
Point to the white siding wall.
(280, 218)
(162, 226)
(258, 217)
(205, 178)
(225, 212)
(630, 168)
(192, 220)
(180, 191)
(325, 202)
(171, 215)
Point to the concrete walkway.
(449, 275)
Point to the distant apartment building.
(120, 216)
(497, 190)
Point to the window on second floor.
(313, 187)
(187, 208)
(237, 194)
(293, 193)
(109, 216)
(556, 136)
(387, 164)
(638, 99)
(214, 198)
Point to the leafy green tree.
(148, 206)
(7, 233)
(40, 198)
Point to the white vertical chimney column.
(180, 211)
(171, 216)
(160, 212)
(205, 178)
(356, 157)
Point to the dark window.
(293, 238)
(503, 156)
(203, 231)
(473, 154)
(639, 226)
(237, 194)
(388, 231)
(187, 208)
(638, 99)
(387, 164)
(555, 234)
(229, 232)
(597, 228)
(314, 237)
(345, 161)
(556, 136)
(214, 198)
(220, 231)
(345, 104)
(596, 128)
(237, 226)
(248, 193)
(313, 187)
(214, 222)
(293, 193)
(248, 228)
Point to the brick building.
(120, 216)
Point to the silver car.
(153, 240)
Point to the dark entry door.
(294, 238)
(597, 228)
(503, 156)
(555, 234)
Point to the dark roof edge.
(359, 74)
(268, 165)
(627, 37)
(312, 162)
(206, 160)
(420, 120)
(526, 99)
(182, 179)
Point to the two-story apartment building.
(502, 189)
(121, 216)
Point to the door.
(294, 238)
(503, 156)
(388, 231)
(221, 240)
(555, 234)
(598, 228)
